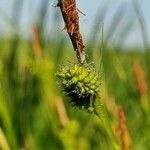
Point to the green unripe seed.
(74, 80)
(72, 72)
(80, 69)
(81, 77)
(91, 75)
(64, 82)
(75, 67)
(68, 75)
(93, 81)
(80, 84)
(82, 90)
(61, 75)
(84, 73)
(64, 70)
(87, 80)
(93, 87)
(86, 88)
(91, 91)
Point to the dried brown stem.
(61, 110)
(71, 18)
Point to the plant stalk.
(100, 111)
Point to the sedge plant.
(80, 80)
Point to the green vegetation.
(29, 114)
(34, 112)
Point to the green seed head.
(80, 82)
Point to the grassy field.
(36, 115)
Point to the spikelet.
(80, 82)
(139, 75)
(122, 130)
(141, 83)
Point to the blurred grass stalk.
(36, 43)
(61, 110)
(7, 123)
(3, 141)
(101, 112)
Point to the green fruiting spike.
(81, 82)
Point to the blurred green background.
(36, 115)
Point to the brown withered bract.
(71, 18)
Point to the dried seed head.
(81, 83)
